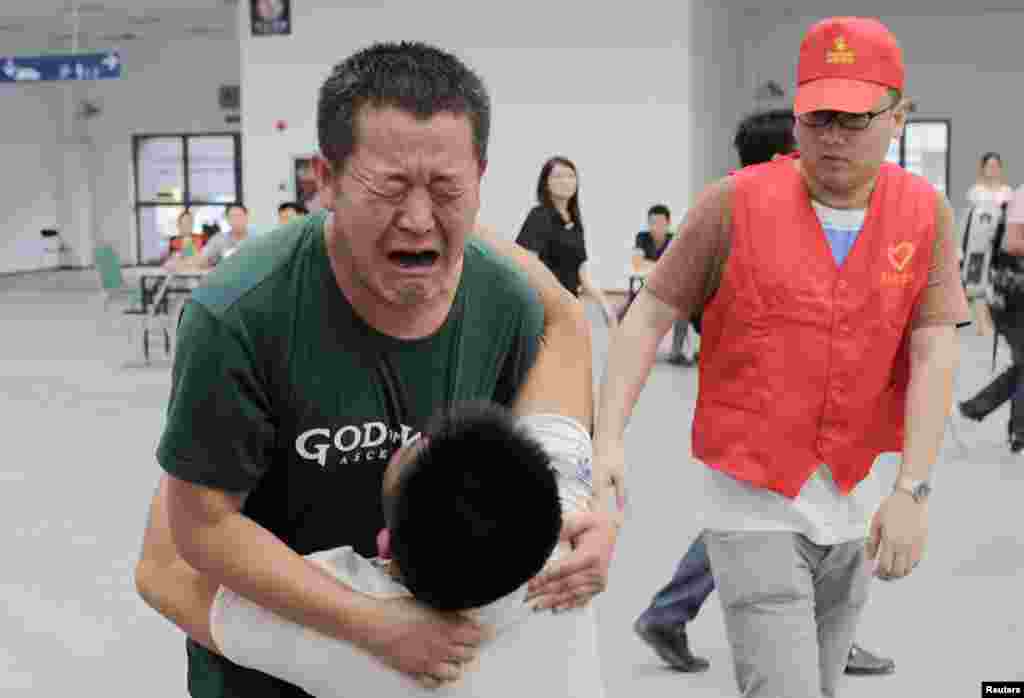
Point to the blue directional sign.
(81, 66)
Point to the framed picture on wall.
(305, 182)
(271, 17)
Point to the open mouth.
(414, 260)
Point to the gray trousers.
(791, 609)
(680, 328)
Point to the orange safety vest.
(805, 362)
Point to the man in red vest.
(830, 294)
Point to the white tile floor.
(78, 469)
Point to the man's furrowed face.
(405, 203)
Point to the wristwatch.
(918, 489)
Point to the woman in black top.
(554, 231)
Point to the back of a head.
(762, 135)
(412, 76)
(477, 514)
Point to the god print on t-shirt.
(356, 441)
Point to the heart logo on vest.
(899, 255)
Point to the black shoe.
(670, 643)
(681, 360)
(1016, 443)
(863, 663)
(971, 412)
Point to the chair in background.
(112, 283)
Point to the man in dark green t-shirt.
(318, 349)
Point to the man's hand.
(899, 531)
(583, 574)
(429, 646)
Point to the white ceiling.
(49, 23)
(878, 8)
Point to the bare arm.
(561, 379)
(593, 290)
(933, 359)
(933, 353)
(681, 282)
(215, 539)
(630, 359)
(167, 583)
(677, 287)
(1014, 241)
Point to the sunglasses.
(847, 120)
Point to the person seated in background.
(651, 243)
(181, 241)
(217, 248)
(289, 210)
(647, 250)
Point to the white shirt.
(533, 654)
(980, 196)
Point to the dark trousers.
(1008, 385)
(680, 601)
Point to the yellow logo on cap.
(841, 53)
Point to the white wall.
(716, 48)
(610, 87)
(965, 68)
(78, 176)
(28, 196)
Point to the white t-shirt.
(980, 196)
(820, 511)
(532, 654)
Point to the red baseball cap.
(847, 64)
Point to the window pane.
(211, 168)
(157, 224)
(210, 215)
(927, 151)
(161, 170)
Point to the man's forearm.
(181, 595)
(929, 397)
(631, 356)
(237, 553)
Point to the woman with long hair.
(554, 231)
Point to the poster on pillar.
(271, 17)
(306, 189)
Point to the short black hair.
(413, 76)
(991, 155)
(764, 134)
(238, 206)
(477, 514)
(659, 210)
